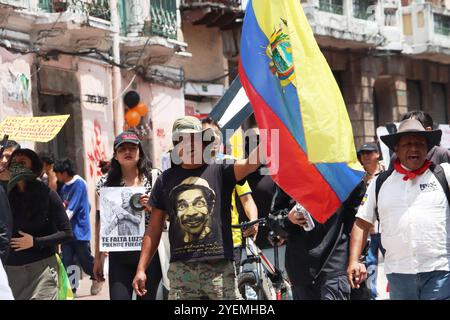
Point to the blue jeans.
(82, 251)
(433, 285)
(372, 263)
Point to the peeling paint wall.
(207, 60)
(98, 125)
(167, 104)
(15, 86)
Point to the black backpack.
(435, 168)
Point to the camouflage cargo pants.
(203, 280)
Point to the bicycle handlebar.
(245, 225)
(271, 221)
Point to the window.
(414, 95)
(438, 106)
(442, 24)
(364, 9)
(333, 6)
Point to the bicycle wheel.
(248, 286)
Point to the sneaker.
(96, 287)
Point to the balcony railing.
(99, 9)
(442, 24)
(95, 8)
(335, 7)
(163, 15)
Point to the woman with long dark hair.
(129, 168)
(40, 223)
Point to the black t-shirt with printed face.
(198, 204)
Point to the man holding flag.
(294, 95)
(292, 89)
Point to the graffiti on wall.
(16, 85)
(96, 152)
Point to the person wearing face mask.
(40, 223)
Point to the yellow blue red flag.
(291, 88)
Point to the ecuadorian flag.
(291, 88)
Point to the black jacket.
(322, 252)
(5, 225)
(39, 212)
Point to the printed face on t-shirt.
(198, 204)
(193, 214)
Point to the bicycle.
(265, 281)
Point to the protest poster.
(445, 141)
(385, 152)
(121, 224)
(38, 129)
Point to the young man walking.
(75, 198)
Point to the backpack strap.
(439, 173)
(378, 183)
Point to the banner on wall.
(38, 129)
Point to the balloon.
(131, 99)
(141, 108)
(132, 118)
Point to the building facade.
(79, 57)
(388, 56)
(58, 57)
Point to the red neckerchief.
(411, 174)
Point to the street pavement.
(83, 292)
